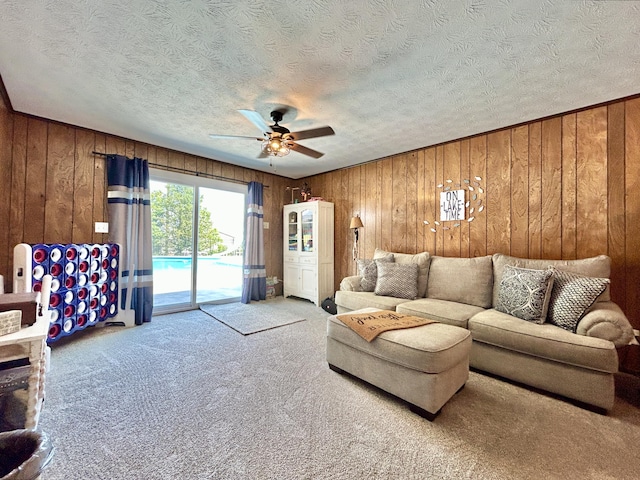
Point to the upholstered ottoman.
(424, 366)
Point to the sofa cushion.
(572, 296)
(350, 300)
(525, 293)
(599, 267)
(369, 272)
(464, 280)
(545, 341)
(451, 313)
(421, 259)
(432, 348)
(397, 280)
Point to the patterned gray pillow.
(398, 280)
(368, 270)
(525, 293)
(572, 296)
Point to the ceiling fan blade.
(305, 151)
(257, 120)
(313, 133)
(213, 135)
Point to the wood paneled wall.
(563, 187)
(53, 189)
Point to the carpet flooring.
(185, 397)
(255, 317)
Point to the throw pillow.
(397, 280)
(368, 270)
(572, 296)
(525, 293)
(421, 259)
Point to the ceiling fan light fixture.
(278, 141)
(276, 147)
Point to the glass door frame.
(196, 182)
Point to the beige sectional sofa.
(575, 362)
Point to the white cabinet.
(308, 250)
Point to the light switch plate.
(102, 227)
(266, 225)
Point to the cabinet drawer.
(308, 260)
(290, 260)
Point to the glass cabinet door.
(307, 230)
(293, 232)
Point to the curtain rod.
(184, 170)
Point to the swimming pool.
(184, 263)
(218, 277)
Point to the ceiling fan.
(278, 141)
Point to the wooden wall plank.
(552, 188)
(100, 211)
(616, 201)
(116, 145)
(226, 170)
(535, 190)
(386, 206)
(519, 246)
(465, 174)
(162, 156)
(569, 187)
(202, 165)
(439, 180)
(59, 186)
(141, 150)
(191, 164)
(398, 240)
(412, 204)
(498, 192)
(6, 144)
(18, 184)
(82, 226)
(129, 148)
(421, 205)
(369, 220)
(632, 209)
(591, 211)
(378, 188)
(478, 168)
(176, 160)
(36, 180)
(216, 168)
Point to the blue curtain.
(129, 207)
(254, 284)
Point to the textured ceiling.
(388, 76)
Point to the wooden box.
(25, 302)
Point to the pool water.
(218, 278)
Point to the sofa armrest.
(351, 284)
(606, 320)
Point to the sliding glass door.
(198, 236)
(220, 241)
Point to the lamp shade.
(356, 222)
